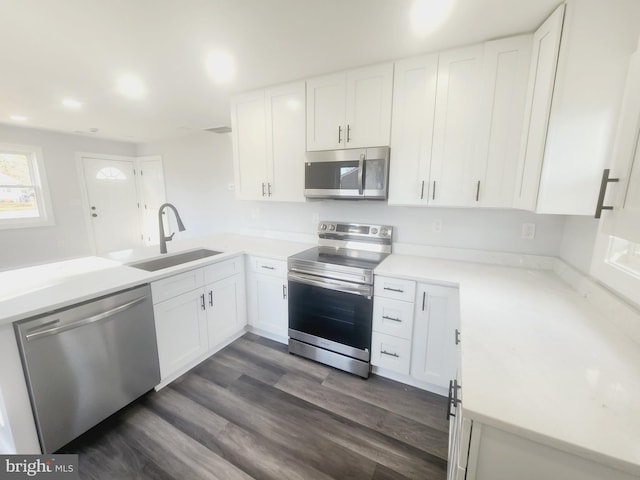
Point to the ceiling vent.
(222, 129)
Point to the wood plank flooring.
(254, 411)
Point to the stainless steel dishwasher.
(85, 362)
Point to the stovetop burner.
(345, 252)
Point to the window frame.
(615, 277)
(40, 184)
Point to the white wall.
(578, 241)
(199, 168)
(68, 237)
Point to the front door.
(113, 204)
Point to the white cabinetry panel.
(434, 356)
(391, 353)
(414, 104)
(267, 297)
(326, 108)
(181, 330)
(393, 317)
(226, 308)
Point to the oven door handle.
(338, 286)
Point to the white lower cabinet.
(181, 330)
(434, 357)
(268, 309)
(194, 318)
(414, 332)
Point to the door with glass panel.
(113, 204)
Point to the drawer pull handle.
(394, 289)
(457, 336)
(268, 267)
(384, 352)
(386, 317)
(211, 298)
(202, 304)
(284, 292)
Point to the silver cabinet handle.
(39, 332)
(422, 191)
(453, 400)
(202, 304)
(393, 289)
(284, 292)
(478, 191)
(348, 133)
(361, 174)
(211, 298)
(384, 352)
(269, 188)
(433, 194)
(339, 133)
(267, 267)
(603, 190)
(386, 317)
(263, 193)
(424, 299)
(457, 336)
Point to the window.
(24, 196)
(616, 263)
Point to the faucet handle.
(170, 237)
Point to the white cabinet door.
(326, 107)
(505, 72)
(286, 142)
(368, 112)
(267, 304)
(544, 60)
(433, 354)
(225, 308)
(624, 220)
(391, 353)
(455, 126)
(414, 103)
(248, 123)
(181, 331)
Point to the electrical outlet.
(315, 219)
(436, 226)
(528, 231)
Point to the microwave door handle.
(361, 174)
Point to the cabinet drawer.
(177, 284)
(394, 288)
(393, 317)
(218, 271)
(391, 353)
(269, 266)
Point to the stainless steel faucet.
(163, 238)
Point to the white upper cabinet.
(285, 142)
(268, 143)
(455, 126)
(578, 69)
(414, 103)
(248, 123)
(624, 220)
(505, 72)
(350, 109)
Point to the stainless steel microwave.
(358, 173)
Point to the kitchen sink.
(159, 263)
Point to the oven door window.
(341, 317)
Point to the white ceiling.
(50, 50)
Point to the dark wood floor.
(254, 411)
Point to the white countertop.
(35, 290)
(538, 360)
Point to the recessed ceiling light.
(131, 86)
(428, 15)
(71, 103)
(19, 118)
(221, 66)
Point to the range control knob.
(374, 231)
(384, 232)
(332, 227)
(323, 226)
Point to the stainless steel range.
(331, 295)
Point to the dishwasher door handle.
(39, 332)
